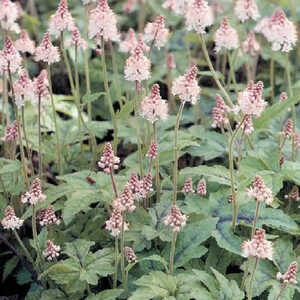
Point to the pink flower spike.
(177, 6)
(126, 202)
(198, 16)
(108, 161)
(10, 220)
(9, 13)
(77, 41)
(188, 186)
(226, 37)
(251, 46)
(130, 41)
(62, 20)
(246, 9)
(136, 186)
(156, 33)
(46, 52)
(259, 191)
(52, 251)
(152, 152)
(297, 140)
(11, 132)
(247, 126)
(283, 97)
(153, 107)
(24, 43)
(130, 255)
(288, 130)
(10, 58)
(114, 224)
(201, 187)
(176, 220)
(47, 217)
(170, 61)
(41, 85)
(290, 276)
(137, 67)
(34, 194)
(219, 113)
(186, 86)
(146, 185)
(258, 246)
(103, 24)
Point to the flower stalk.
(252, 278)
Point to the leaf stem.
(116, 262)
(157, 178)
(172, 252)
(252, 278)
(26, 252)
(283, 286)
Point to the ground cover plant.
(150, 149)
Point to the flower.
(156, 33)
(46, 52)
(152, 152)
(226, 37)
(103, 23)
(177, 6)
(188, 186)
(9, 13)
(10, 58)
(52, 251)
(47, 217)
(11, 221)
(25, 43)
(170, 61)
(146, 185)
(34, 194)
(293, 194)
(77, 41)
(219, 113)
(259, 191)
(186, 86)
(258, 246)
(247, 125)
(250, 100)
(288, 130)
(61, 20)
(114, 224)
(108, 161)
(11, 132)
(130, 41)
(23, 88)
(41, 85)
(126, 202)
(136, 186)
(279, 31)
(85, 2)
(246, 9)
(137, 66)
(198, 16)
(130, 255)
(251, 46)
(283, 97)
(201, 187)
(176, 220)
(297, 140)
(153, 107)
(290, 276)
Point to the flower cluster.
(177, 6)
(188, 186)
(11, 221)
(288, 130)
(250, 46)
(290, 276)
(170, 61)
(153, 107)
(247, 125)
(130, 255)
(46, 52)
(176, 220)
(186, 86)
(9, 13)
(77, 41)
(25, 44)
(103, 23)
(279, 31)
(114, 224)
(198, 16)
(153, 151)
(126, 201)
(246, 9)
(41, 85)
(293, 194)
(258, 246)
(34, 194)
(219, 113)
(226, 37)
(259, 191)
(52, 251)
(108, 161)
(201, 187)
(156, 33)
(129, 42)
(10, 58)
(61, 20)
(11, 132)
(47, 217)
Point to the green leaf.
(228, 289)
(106, 295)
(126, 110)
(78, 249)
(188, 243)
(89, 98)
(156, 258)
(9, 166)
(9, 267)
(53, 294)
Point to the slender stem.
(40, 138)
(5, 97)
(58, 146)
(26, 252)
(122, 253)
(116, 81)
(272, 78)
(114, 184)
(175, 170)
(116, 262)
(108, 96)
(232, 72)
(231, 170)
(157, 178)
(210, 65)
(255, 218)
(252, 278)
(172, 251)
(34, 234)
(283, 286)
(245, 275)
(291, 94)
